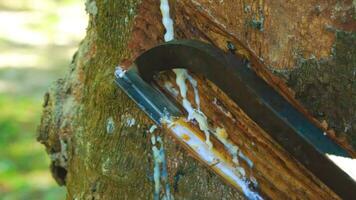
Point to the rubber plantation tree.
(99, 141)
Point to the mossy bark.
(97, 137)
(327, 87)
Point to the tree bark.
(98, 139)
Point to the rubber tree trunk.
(98, 139)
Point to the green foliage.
(37, 39)
(24, 164)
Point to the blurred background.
(37, 41)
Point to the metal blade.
(290, 128)
(158, 107)
(155, 104)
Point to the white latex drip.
(171, 89)
(193, 114)
(246, 159)
(222, 136)
(222, 109)
(194, 84)
(236, 174)
(182, 76)
(160, 169)
(120, 71)
(156, 170)
(152, 128)
(167, 21)
(203, 149)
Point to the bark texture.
(98, 139)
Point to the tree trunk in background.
(98, 139)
